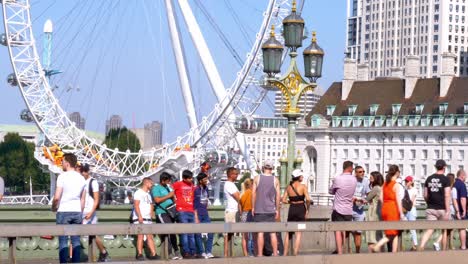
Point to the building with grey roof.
(407, 121)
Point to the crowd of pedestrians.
(387, 198)
(393, 198)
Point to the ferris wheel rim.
(81, 140)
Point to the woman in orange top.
(245, 204)
(391, 208)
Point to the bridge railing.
(26, 199)
(12, 232)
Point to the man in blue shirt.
(460, 186)
(163, 196)
(200, 206)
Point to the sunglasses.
(360, 171)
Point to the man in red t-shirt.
(184, 192)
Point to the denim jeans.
(202, 247)
(69, 218)
(187, 240)
(411, 216)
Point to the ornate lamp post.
(292, 85)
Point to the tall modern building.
(79, 121)
(114, 122)
(306, 103)
(153, 134)
(382, 34)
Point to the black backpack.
(91, 193)
(406, 202)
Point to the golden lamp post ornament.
(292, 85)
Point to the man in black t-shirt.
(437, 196)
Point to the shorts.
(247, 217)
(258, 218)
(92, 221)
(359, 217)
(337, 217)
(145, 222)
(230, 217)
(296, 212)
(433, 214)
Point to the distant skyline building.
(382, 37)
(149, 136)
(80, 122)
(153, 134)
(306, 103)
(114, 122)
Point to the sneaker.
(187, 256)
(209, 255)
(104, 257)
(177, 255)
(436, 246)
(154, 257)
(203, 255)
(140, 257)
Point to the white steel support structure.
(211, 71)
(181, 64)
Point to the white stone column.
(411, 74)
(350, 75)
(446, 77)
(322, 145)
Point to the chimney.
(363, 72)
(350, 75)
(446, 77)
(411, 74)
(397, 72)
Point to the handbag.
(171, 211)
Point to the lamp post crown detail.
(272, 54)
(293, 29)
(313, 60)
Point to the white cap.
(297, 172)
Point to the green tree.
(123, 139)
(17, 164)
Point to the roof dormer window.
(443, 108)
(352, 109)
(373, 109)
(419, 109)
(396, 109)
(330, 109)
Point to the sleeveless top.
(297, 197)
(265, 202)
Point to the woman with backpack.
(411, 214)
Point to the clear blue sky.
(117, 53)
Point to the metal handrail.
(12, 232)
